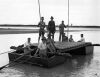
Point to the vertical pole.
(39, 9)
(68, 21)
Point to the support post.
(68, 22)
(39, 9)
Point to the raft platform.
(74, 48)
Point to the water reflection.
(77, 66)
(72, 67)
(3, 59)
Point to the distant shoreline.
(24, 31)
(11, 25)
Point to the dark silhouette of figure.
(50, 44)
(61, 29)
(71, 39)
(64, 38)
(51, 27)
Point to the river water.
(77, 66)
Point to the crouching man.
(42, 49)
(28, 47)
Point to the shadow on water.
(69, 69)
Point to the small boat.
(51, 61)
(54, 58)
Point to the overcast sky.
(82, 12)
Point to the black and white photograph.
(49, 38)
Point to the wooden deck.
(71, 45)
(74, 47)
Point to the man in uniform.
(51, 27)
(61, 30)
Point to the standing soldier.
(61, 29)
(41, 30)
(51, 27)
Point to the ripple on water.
(11, 72)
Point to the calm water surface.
(77, 66)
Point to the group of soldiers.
(47, 44)
(50, 28)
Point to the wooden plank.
(66, 45)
